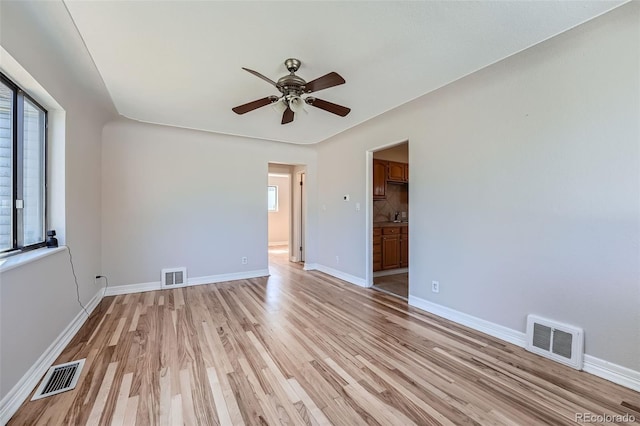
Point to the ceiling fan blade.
(257, 74)
(324, 82)
(253, 105)
(287, 116)
(329, 106)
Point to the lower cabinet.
(390, 248)
(390, 251)
(377, 249)
(404, 247)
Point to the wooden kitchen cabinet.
(391, 251)
(404, 248)
(390, 247)
(397, 172)
(377, 249)
(379, 179)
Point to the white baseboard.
(133, 288)
(234, 276)
(20, 392)
(278, 243)
(335, 273)
(598, 367)
(310, 266)
(210, 279)
(390, 272)
(613, 372)
(518, 338)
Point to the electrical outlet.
(244, 260)
(357, 207)
(338, 260)
(435, 286)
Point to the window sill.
(21, 259)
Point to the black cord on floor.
(76, 280)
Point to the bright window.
(23, 126)
(272, 198)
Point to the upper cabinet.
(387, 171)
(398, 172)
(379, 179)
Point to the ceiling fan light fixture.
(296, 103)
(280, 105)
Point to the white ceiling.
(179, 63)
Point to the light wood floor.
(397, 284)
(305, 348)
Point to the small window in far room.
(272, 198)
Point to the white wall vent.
(174, 277)
(560, 342)
(60, 378)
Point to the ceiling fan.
(292, 89)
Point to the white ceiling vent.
(174, 277)
(60, 378)
(559, 342)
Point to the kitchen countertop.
(389, 224)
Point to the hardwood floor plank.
(250, 409)
(123, 399)
(274, 412)
(316, 413)
(188, 412)
(101, 399)
(218, 398)
(305, 348)
(165, 398)
(136, 316)
(116, 335)
(342, 414)
(130, 413)
(176, 410)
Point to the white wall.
(38, 300)
(524, 188)
(175, 197)
(279, 221)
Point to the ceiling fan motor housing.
(291, 85)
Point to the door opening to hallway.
(286, 211)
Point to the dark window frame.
(17, 133)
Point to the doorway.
(286, 194)
(389, 219)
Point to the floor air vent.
(556, 341)
(174, 277)
(60, 378)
